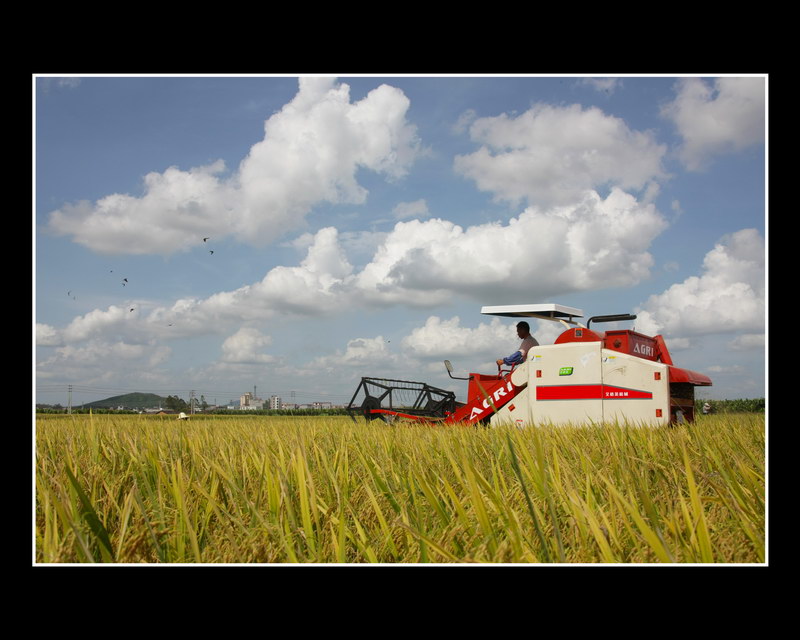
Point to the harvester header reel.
(386, 399)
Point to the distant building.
(275, 402)
(248, 402)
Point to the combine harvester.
(585, 376)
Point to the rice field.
(245, 489)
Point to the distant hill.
(133, 400)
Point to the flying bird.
(204, 239)
(211, 252)
(124, 280)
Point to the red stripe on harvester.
(590, 392)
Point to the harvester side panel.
(635, 391)
(564, 383)
(578, 383)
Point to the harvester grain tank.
(584, 376)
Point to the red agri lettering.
(499, 393)
(645, 349)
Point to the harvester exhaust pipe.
(614, 318)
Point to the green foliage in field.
(741, 405)
(132, 489)
(337, 411)
(86, 410)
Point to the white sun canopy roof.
(546, 311)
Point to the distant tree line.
(93, 410)
(338, 411)
(177, 405)
(174, 403)
(754, 405)
(170, 403)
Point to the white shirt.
(527, 344)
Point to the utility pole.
(69, 398)
(191, 402)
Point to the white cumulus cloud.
(597, 243)
(245, 347)
(440, 338)
(103, 360)
(314, 287)
(359, 353)
(47, 336)
(176, 210)
(550, 154)
(98, 322)
(718, 116)
(311, 153)
(728, 296)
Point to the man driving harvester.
(528, 341)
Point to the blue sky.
(359, 224)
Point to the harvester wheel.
(370, 403)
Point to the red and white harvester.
(585, 376)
